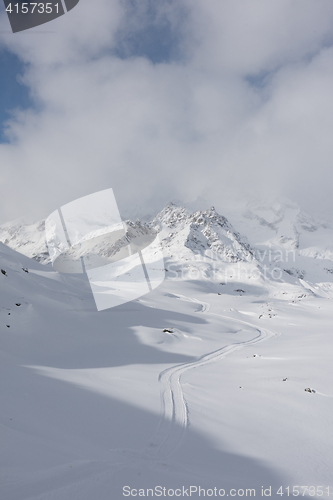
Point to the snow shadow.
(62, 441)
(89, 339)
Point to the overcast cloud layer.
(168, 99)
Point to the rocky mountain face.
(200, 232)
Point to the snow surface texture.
(221, 377)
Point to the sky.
(187, 100)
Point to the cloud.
(258, 36)
(234, 97)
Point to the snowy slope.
(195, 384)
(282, 224)
(28, 239)
(285, 235)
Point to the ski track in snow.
(168, 437)
(175, 415)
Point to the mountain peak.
(171, 215)
(200, 231)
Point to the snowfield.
(220, 379)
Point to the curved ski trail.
(175, 418)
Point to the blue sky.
(169, 100)
(155, 39)
(13, 93)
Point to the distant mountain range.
(275, 242)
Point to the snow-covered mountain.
(197, 232)
(200, 232)
(28, 239)
(280, 224)
(290, 239)
(277, 240)
(203, 382)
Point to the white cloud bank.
(243, 103)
